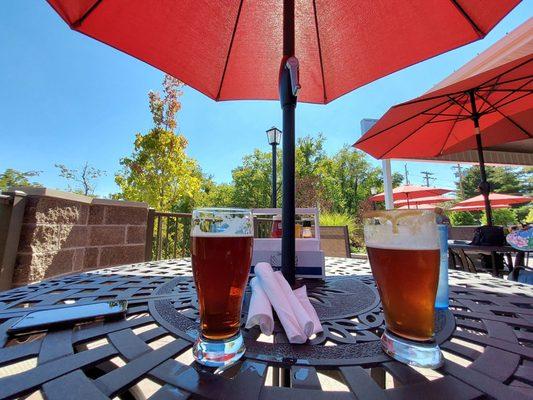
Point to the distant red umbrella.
(476, 208)
(409, 192)
(423, 201)
(419, 207)
(236, 49)
(447, 120)
(495, 199)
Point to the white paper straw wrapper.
(280, 303)
(260, 310)
(301, 294)
(304, 320)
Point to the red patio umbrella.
(423, 201)
(419, 207)
(447, 120)
(409, 192)
(476, 208)
(495, 199)
(236, 49)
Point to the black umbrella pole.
(288, 249)
(288, 105)
(484, 186)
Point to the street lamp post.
(274, 138)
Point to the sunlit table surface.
(486, 336)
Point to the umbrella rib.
(512, 92)
(320, 52)
(505, 90)
(456, 118)
(513, 100)
(412, 133)
(505, 73)
(482, 85)
(459, 104)
(79, 21)
(448, 136)
(465, 15)
(505, 116)
(229, 50)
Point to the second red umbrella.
(447, 120)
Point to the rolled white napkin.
(260, 310)
(304, 320)
(278, 298)
(301, 295)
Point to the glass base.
(218, 353)
(417, 354)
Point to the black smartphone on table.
(38, 321)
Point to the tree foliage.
(502, 180)
(13, 178)
(252, 180)
(460, 218)
(501, 216)
(159, 171)
(83, 180)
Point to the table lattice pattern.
(487, 338)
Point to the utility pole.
(459, 175)
(427, 176)
(406, 174)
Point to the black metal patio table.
(487, 337)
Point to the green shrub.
(501, 216)
(337, 219)
(460, 218)
(523, 212)
(354, 230)
(529, 218)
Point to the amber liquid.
(407, 282)
(220, 266)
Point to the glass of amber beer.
(404, 253)
(221, 249)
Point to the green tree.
(522, 212)
(252, 180)
(159, 171)
(82, 181)
(216, 195)
(460, 218)
(502, 180)
(13, 178)
(529, 217)
(501, 216)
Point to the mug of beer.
(221, 250)
(404, 253)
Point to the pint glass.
(221, 250)
(404, 253)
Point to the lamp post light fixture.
(274, 138)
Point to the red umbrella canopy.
(405, 192)
(231, 49)
(476, 208)
(496, 199)
(423, 201)
(440, 122)
(418, 207)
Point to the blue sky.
(68, 99)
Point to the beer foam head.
(401, 229)
(221, 222)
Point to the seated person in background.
(441, 217)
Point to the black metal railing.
(167, 235)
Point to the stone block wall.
(65, 232)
